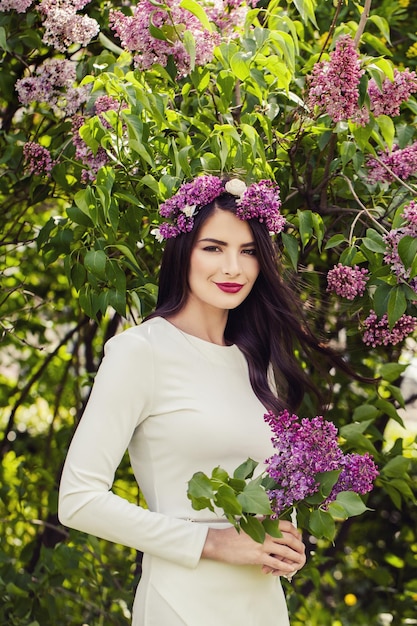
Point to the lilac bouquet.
(308, 473)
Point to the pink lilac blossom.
(402, 162)
(53, 85)
(107, 103)
(393, 94)
(135, 36)
(261, 201)
(333, 85)
(378, 333)
(63, 26)
(303, 449)
(392, 239)
(38, 160)
(347, 282)
(20, 6)
(227, 14)
(83, 153)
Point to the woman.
(186, 391)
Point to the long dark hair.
(269, 326)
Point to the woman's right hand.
(281, 556)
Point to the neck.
(204, 324)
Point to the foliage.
(84, 166)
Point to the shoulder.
(143, 338)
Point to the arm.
(121, 398)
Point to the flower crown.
(258, 201)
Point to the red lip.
(229, 287)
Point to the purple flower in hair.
(262, 202)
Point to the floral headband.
(258, 201)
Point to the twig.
(395, 177)
(363, 207)
(362, 22)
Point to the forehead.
(225, 226)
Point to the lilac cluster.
(392, 240)
(38, 160)
(83, 153)
(378, 333)
(53, 84)
(261, 201)
(107, 103)
(64, 26)
(347, 282)
(393, 94)
(134, 33)
(358, 474)
(20, 6)
(334, 84)
(304, 449)
(182, 206)
(227, 14)
(402, 162)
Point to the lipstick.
(229, 287)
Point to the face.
(223, 263)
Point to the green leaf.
(246, 469)
(321, 525)
(397, 305)
(240, 65)
(407, 249)
(3, 40)
(227, 500)
(352, 503)
(382, 25)
(254, 499)
(95, 262)
(396, 467)
(374, 241)
(391, 371)
(272, 527)
(200, 485)
(291, 248)
(334, 241)
(365, 412)
(380, 300)
(305, 226)
(253, 527)
(196, 9)
(387, 128)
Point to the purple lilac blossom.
(333, 85)
(261, 201)
(63, 26)
(393, 94)
(304, 448)
(227, 14)
(402, 162)
(378, 333)
(83, 153)
(38, 160)
(20, 6)
(347, 282)
(358, 474)
(53, 85)
(133, 31)
(392, 240)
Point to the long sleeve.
(120, 400)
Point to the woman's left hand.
(291, 536)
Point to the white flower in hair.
(236, 187)
(157, 234)
(189, 210)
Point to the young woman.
(186, 391)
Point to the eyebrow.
(224, 243)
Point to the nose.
(231, 264)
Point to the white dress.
(179, 404)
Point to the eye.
(249, 251)
(211, 248)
